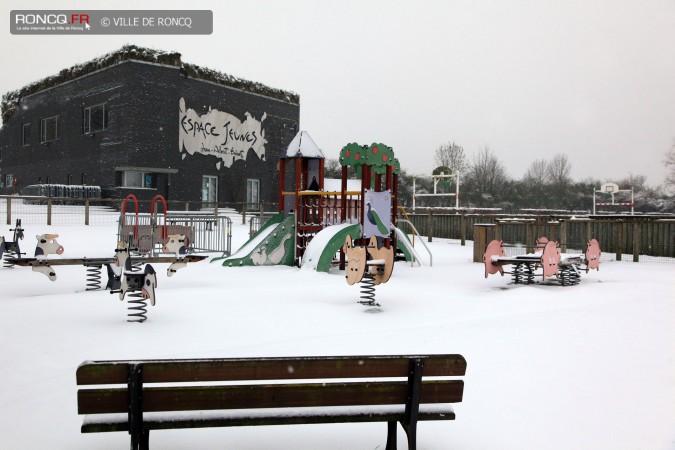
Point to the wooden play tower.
(317, 202)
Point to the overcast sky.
(594, 79)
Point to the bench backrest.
(259, 382)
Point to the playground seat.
(370, 389)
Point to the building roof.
(10, 100)
(303, 146)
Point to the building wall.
(142, 133)
(73, 153)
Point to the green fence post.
(462, 228)
(86, 212)
(9, 211)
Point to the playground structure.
(371, 256)
(317, 215)
(148, 238)
(140, 285)
(125, 274)
(94, 266)
(545, 262)
(148, 232)
(369, 265)
(47, 245)
(608, 190)
(442, 177)
(10, 250)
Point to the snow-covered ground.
(584, 367)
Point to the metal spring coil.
(7, 259)
(569, 276)
(93, 277)
(137, 307)
(136, 262)
(367, 286)
(523, 274)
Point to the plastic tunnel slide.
(271, 245)
(322, 248)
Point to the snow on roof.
(10, 100)
(302, 145)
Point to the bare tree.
(452, 156)
(486, 178)
(332, 168)
(534, 184)
(670, 166)
(559, 171)
(637, 182)
(537, 174)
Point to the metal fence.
(257, 221)
(58, 211)
(210, 231)
(206, 232)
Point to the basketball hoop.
(609, 188)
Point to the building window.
(95, 119)
(253, 194)
(209, 190)
(132, 178)
(49, 129)
(25, 134)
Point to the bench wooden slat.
(190, 398)
(207, 419)
(234, 369)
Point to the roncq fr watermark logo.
(43, 21)
(111, 22)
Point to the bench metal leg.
(145, 440)
(141, 442)
(391, 436)
(411, 431)
(135, 386)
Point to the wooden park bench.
(196, 393)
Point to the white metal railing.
(412, 248)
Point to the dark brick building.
(143, 122)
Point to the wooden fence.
(623, 235)
(620, 235)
